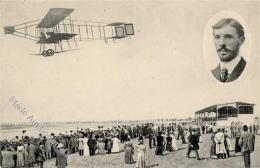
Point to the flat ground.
(176, 159)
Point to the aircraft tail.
(9, 29)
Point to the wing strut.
(87, 29)
(68, 43)
(79, 33)
(75, 42)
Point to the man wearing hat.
(227, 142)
(92, 143)
(247, 143)
(193, 144)
(159, 147)
(109, 144)
(220, 146)
(61, 156)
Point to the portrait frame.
(209, 51)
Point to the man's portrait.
(228, 35)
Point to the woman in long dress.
(81, 146)
(25, 153)
(115, 145)
(174, 142)
(101, 147)
(169, 143)
(31, 153)
(40, 155)
(140, 161)
(85, 146)
(20, 155)
(129, 151)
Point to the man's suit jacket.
(247, 139)
(234, 75)
(160, 140)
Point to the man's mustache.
(223, 49)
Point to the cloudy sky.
(160, 72)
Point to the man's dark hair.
(245, 128)
(232, 22)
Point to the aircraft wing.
(54, 16)
(57, 37)
(116, 24)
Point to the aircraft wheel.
(44, 53)
(50, 52)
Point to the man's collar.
(230, 66)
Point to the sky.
(160, 72)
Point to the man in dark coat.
(203, 128)
(193, 144)
(92, 145)
(247, 143)
(73, 144)
(228, 37)
(61, 156)
(230, 77)
(159, 148)
(150, 136)
(169, 128)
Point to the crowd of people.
(244, 137)
(28, 151)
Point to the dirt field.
(176, 159)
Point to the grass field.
(176, 159)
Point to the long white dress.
(115, 146)
(174, 143)
(140, 160)
(20, 156)
(85, 146)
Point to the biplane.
(57, 28)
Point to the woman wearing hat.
(25, 153)
(140, 161)
(174, 142)
(31, 153)
(129, 151)
(115, 145)
(20, 155)
(85, 145)
(40, 155)
(101, 146)
(169, 143)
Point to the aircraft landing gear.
(49, 52)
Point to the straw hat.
(60, 145)
(141, 141)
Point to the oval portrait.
(226, 46)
